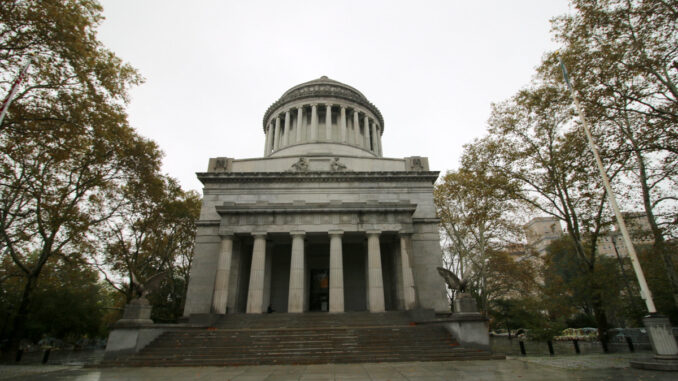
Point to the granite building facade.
(321, 222)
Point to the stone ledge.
(330, 207)
(316, 176)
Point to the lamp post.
(658, 327)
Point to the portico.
(305, 257)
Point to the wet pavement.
(586, 367)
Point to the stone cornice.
(324, 88)
(314, 176)
(306, 208)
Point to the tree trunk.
(599, 313)
(19, 321)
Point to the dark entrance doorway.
(319, 299)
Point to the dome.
(323, 116)
(323, 87)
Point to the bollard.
(19, 354)
(522, 347)
(45, 356)
(575, 342)
(630, 343)
(550, 344)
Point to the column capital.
(223, 233)
(373, 232)
(297, 233)
(335, 232)
(314, 105)
(259, 234)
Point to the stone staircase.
(312, 338)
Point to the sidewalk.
(587, 367)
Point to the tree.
(567, 283)
(476, 218)
(623, 55)
(152, 232)
(66, 145)
(544, 153)
(68, 302)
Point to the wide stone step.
(302, 339)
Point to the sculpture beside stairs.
(136, 329)
(468, 326)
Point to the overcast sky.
(212, 68)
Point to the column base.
(663, 343)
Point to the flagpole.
(645, 292)
(15, 87)
(658, 327)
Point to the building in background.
(612, 243)
(541, 231)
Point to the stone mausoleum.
(322, 222)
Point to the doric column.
(220, 297)
(295, 299)
(300, 117)
(286, 139)
(378, 139)
(314, 122)
(344, 129)
(375, 282)
(336, 272)
(328, 122)
(367, 123)
(255, 295)
(409, 294)
(276, 136)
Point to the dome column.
(328, 122)
(343, 124)
(376, 127)
(267, 146)
(276, 136)
(286, 132)
(300, 117)
(356, 119)
(369, 128)
(314, 122)
(366, 137)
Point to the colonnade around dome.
(323, 121)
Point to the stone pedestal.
(134, 331)
(137, 312)
(467, 325)
(663, 342)
(464, 304)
